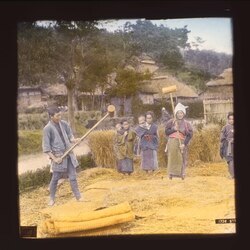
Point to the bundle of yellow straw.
(76, 221)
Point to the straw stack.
(78, 221)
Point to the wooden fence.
(217, 110)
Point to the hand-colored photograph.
(125, 127)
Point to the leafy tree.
(129, 82)
(160, 42)
(36, 46)
(208, 60)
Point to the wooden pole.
(111, 109)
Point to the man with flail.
(57, 138)
(179, 133)
(227, 143)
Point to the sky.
(215, 32)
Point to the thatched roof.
(161, 81)
(221, 92)
(56, 89)
(225, 78)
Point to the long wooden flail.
(111, 110)
(170, 90)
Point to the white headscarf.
(180, 107)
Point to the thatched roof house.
(218, 98)
(30, 97)
(154, 87)
(220, 88)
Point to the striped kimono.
(177, 160)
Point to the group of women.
(143, 140)
(145, 136)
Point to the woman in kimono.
(227, 143)
(141, 125)
(124, 147)
(119, 146)
(149, 141)
(179, 133)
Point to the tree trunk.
(93, 101)
(123, 106)
(75, 106)
(71, 118)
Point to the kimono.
(124, 151)
(177, 160)
(58, 144)
(227, 146)
(56, 139)
(149, 143)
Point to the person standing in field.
(149, 142)
(142, 126)
(124, 148)
(179, 133)
(57, 138)
(227, 143)
(119, 146)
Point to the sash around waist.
(177, 135)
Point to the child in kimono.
(125, 146)
(119, 146)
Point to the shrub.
(41, 177)
(31, 180)
(29, 142)
(39, 120)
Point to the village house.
(151, 92)
(218, 97)
(30, 97)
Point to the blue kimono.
(53, 142)
(149, 143)
(56, 139)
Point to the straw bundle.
(101, 145)
(204, 146)
(77, 221)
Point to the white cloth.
(180, 107)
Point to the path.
(40, 160)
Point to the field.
(161, 205)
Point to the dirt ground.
(161, 205)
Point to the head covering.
(163, 108)
(180, 107)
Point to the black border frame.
(13, 12)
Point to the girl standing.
(149, 142)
